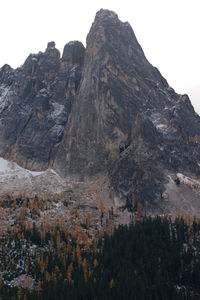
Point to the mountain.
(103, 114)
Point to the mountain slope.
(100, 111)
(126, 119)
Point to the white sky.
(167, 30)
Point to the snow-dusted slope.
(15, 179)
(182, 198)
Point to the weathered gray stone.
(103, 109)
(37, 107)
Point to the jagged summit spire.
(106, 14)
(103, 110)
(74, 53)
(52, 51)
(51, 45)
(117, 37)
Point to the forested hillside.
(151, 258)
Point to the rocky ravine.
(104, 115)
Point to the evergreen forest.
(154, 258)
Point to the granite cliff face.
(100, 110)
(36, 101)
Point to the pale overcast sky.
(167, 30)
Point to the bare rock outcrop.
(100, 110)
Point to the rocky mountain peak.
(51, 45)
(117, 85)
(105, 17)
(52, 51)
(6, 74)
(100, 111)
(73, 53)
(6, 68)
(104, 14)
(116, 36)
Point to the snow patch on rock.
(182, 198)
(187, 180)
(57, 109)
(4, 97)
(161, 127)
(15, 179)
